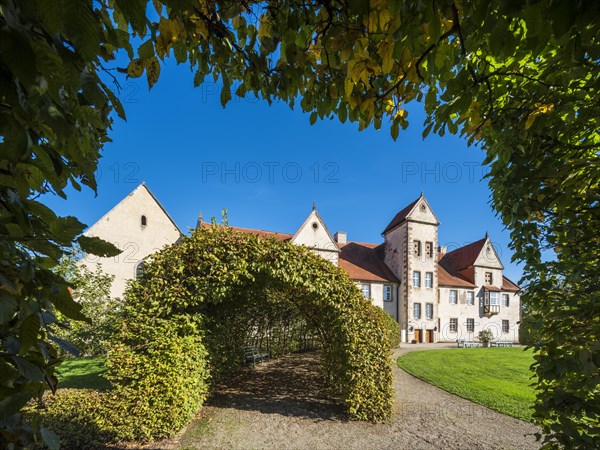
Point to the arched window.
(139, 270)
(144, 221)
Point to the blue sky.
(267, 164)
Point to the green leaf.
(96, 246)
(28, 369)
(64, 229)
(12, 404)
(146, 50)
(66, 305)
(394, 130)
(8, 308)
(66, 346)
(225, 94)
(29, 332)
(134, 12)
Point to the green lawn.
(82, 373)
(498, 378)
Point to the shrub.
(160, 375)
(81, 418)
(486, 335)
(392, 329)
(199, 302)
(92, 292)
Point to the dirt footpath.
(277, 405)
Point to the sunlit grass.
(498, 378)
(82, 373)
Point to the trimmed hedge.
(196, 306)
(393, 329)
(159, 372)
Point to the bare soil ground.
(279, 404)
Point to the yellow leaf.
(152, 71)
(530, 120)
(348, 87)
(264, 29)
(135, 69)
(357, 71)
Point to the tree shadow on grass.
(290, 385)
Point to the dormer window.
(144, 221)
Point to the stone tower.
(411, 241)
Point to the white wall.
(377, 296)
(462, 311)
(122, 227)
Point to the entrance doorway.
(429, 336)
(418, 335)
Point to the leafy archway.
(185, 327)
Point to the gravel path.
(278, 405)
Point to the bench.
(253, 355)
(504, 344)
(467, 344)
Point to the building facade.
(435, 295)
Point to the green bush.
(393, 329)
(199, 302)
(160, 376)
(158, 370)
(92, 292)
(80, 417)
(228, 277)
(486, 335)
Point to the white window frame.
(494, 298)
(428, 279)
(470, 324)
(453, 323)
(415, 307)
(429, 311)
(505, 321)
(387, 293)
(506, 300)
(368, 290)
(416, 278)
(455, 292)
(470, 298)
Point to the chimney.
(340, 237)
(442, 249)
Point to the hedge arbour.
(208, 289)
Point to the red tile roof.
(360, 260)
(462, 257)
(261, 233)
(400, 217)
(365, 262)
(456, 280)
(508, 285)
(492, 288)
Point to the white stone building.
(436, 296)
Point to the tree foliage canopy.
(518, 78)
